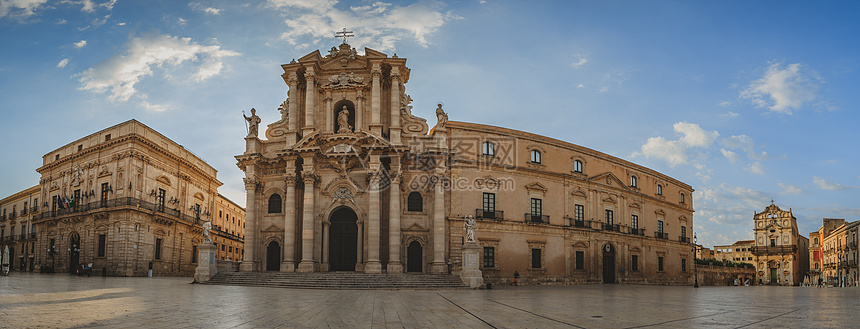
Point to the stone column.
(289, 263)
(329, 113)
(310, 101)
(359, 263)
(394, 129)
(375, 90)
(394, 264)
(438, 265)
(373, 265)
(359, 109)
(249, 261)
(309, 178)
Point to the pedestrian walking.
(516, 278)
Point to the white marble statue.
(343, 121)
(254, 123)
(207, 226)
(470, 228)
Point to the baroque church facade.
(781, 252)
(349, 180)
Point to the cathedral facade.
(350, 180)
(781, 253)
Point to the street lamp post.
(695, 268)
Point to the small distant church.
(781, 253)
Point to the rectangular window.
(609, 217)
(489, 149)
(102, 242)
(634, 263)
(489, 202)
(489, 257)
(36, 204)
(536, 209)
(660, 226)
(634, 221)
(52, 245)
(772, 242)
(104, 194)
(222, 247)
(196, 211)
(194, 254)
(579, 212)
(159, 201)
(660, 264)
(580, 260)
(536, 258)
(158, 248)
(32, 247)
(230, 249)
(107, 137)
(683, 265)
(53, 206)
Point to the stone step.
(338, 280)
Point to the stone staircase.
(338, 280)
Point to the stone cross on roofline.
(344, 35)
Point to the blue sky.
(746, 101)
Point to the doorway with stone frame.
(414, 257)
(273, 256)
(343, 240)
(608, 263)
(74, 251)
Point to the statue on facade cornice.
(343, 121)
(253, 121)
(284, 109)
(441, 116)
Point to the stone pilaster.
(289, 263)
(439, 265)
(394, 129)
(292, 111)
(249, 261)
(310, 179)
(326, 226)
(394, 264)
(373, 265)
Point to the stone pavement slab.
(61, 301)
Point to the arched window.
(577, 166)
(535, 156)
(633, 181)
(415, 202)
(659, 189)
(682, 198)
(275, 204)
(489, 149)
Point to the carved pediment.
(536, 187)
(609, 179)
(273, 229)
(660, 212)
(580, 244)
(578, 193)
(415, 227)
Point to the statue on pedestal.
(470, 229)
(441, 116)
(207, 226)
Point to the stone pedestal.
(206, 266)
(373, 267)
(471, 272)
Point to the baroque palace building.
(834, 253)
(781, 253)
(125, 199)
(349, 180)
(16, 227)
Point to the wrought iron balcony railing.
(534, 218)
(489, 214)
(661, 235)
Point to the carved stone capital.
(251, 183)
(310, 178)
(290, 179)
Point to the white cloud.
(825, 185)
(755, 168)
(725, 104)
(181, 20)
(732, 156)
(20, 8)
(379, 24)
(63, 63)
(208, 10)
(730, 114)
(121, 72)
(580, 61)
(790, 189)
(783, 89)
(80, 44)
(213, 11)
(675, 151)
(153, 107)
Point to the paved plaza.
(61, 301)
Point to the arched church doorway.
(74, 251)
(350, 119)
(414, 255)
(273, 256)
(608, 263)
(343, 240)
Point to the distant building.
(781, 253)
(704, 252)
(739, 252)
(16, 230)
(838, 252)
(125, 199)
